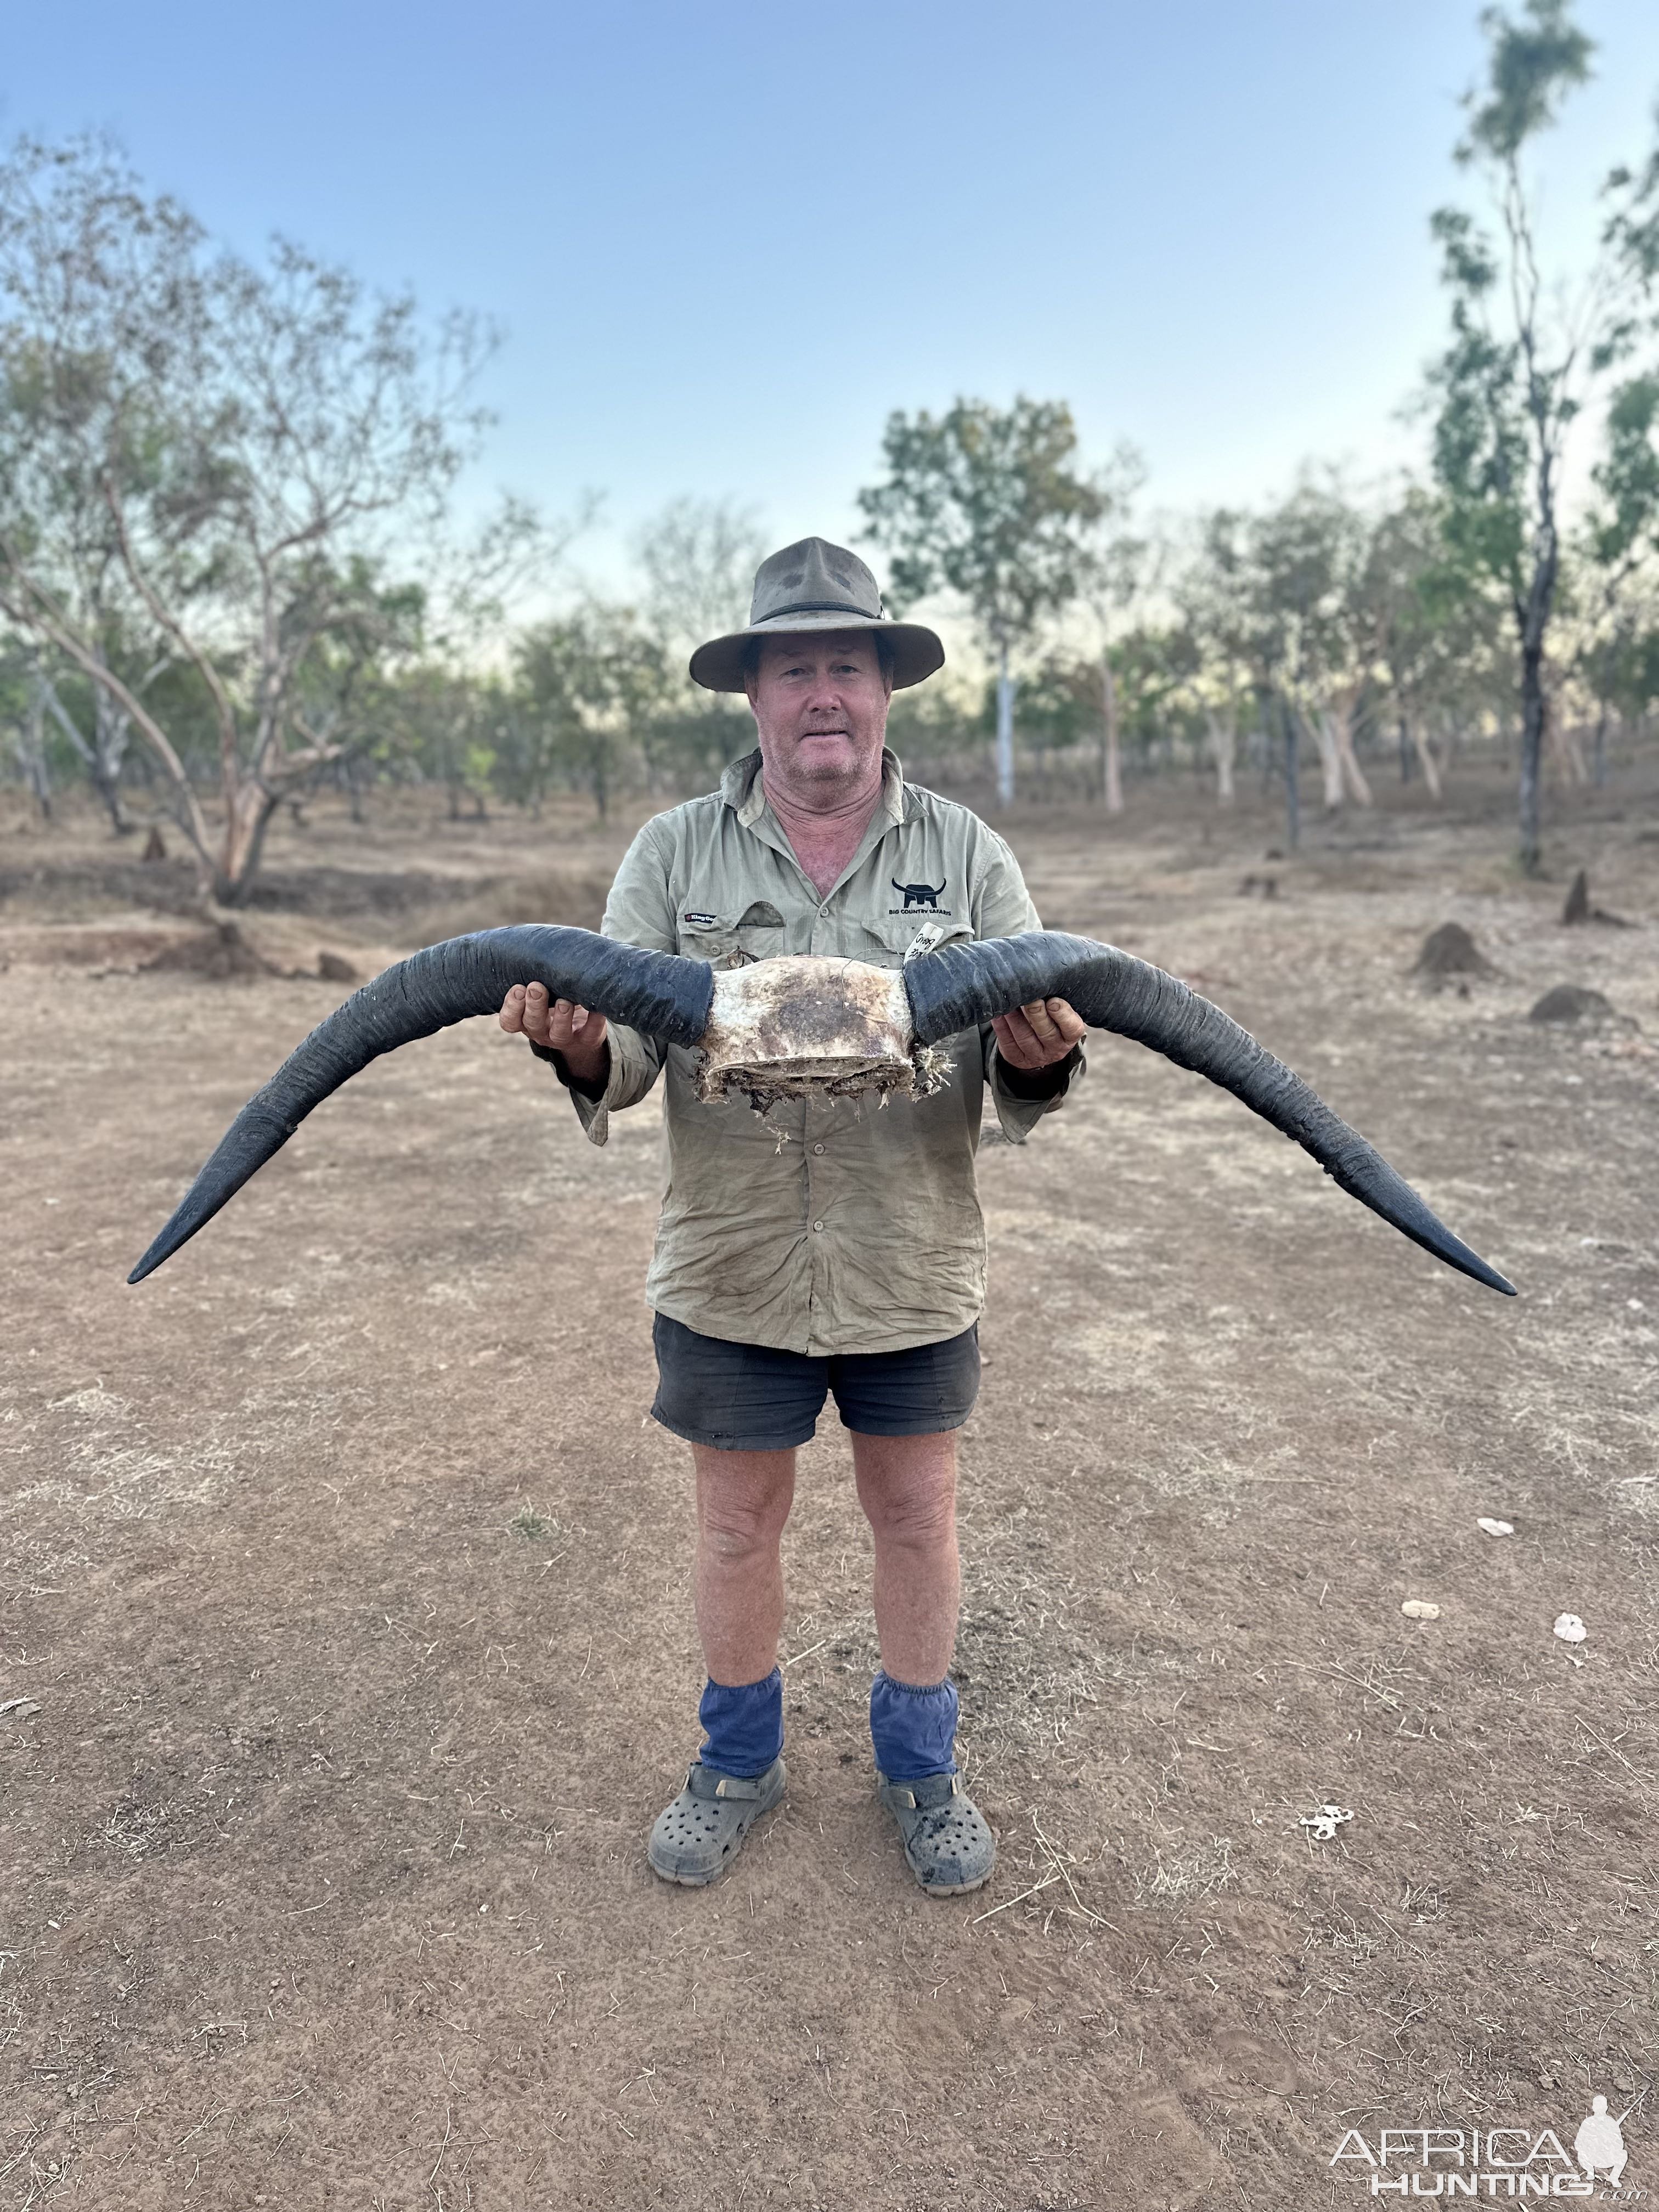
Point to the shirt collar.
(744, 791)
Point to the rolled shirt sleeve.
(639, 911)
(1004, 908)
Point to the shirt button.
(818, 1225)
(817, 1148)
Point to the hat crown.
(814, 577)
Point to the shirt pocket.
(891, 939)
(731, 941)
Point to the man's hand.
(575, 1033)
(1036, 1035)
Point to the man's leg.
(908, 1488)
(743, 1502)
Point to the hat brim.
(917, 651)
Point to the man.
(828, 1246)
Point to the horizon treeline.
(230, 573)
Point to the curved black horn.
(962, 986)
(658, 993)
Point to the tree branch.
(187, 645)
(46, 616)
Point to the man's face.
(820, 703)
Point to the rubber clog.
(948, 1842)
(697, 1836)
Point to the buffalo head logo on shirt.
(916, 895)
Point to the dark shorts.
(751, 1397)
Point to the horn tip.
(1457, 1253)
(151, 1260)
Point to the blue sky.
(724, 241)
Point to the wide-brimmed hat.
(815, 585)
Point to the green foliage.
(989, 503)
(1480, 442)
(1531, 65)
(1627, 478)
(591, 683)
(209, 458)
(1520, 368)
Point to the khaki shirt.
(829, 1224)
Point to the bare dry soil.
(343, 1580)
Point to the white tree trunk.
(1005, 687)
(1352, 773)
(1330, 758)
(1111, 750)
(1426, 754)
(1224, 744)
(29, 744)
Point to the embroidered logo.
(706, 920)
(916, 895)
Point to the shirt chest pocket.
(758, 933)
(892, 940)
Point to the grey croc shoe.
(947, 1839)
(698, 1835)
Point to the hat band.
(817, 607)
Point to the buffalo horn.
(960, 987)
(658, 993)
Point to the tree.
(23, 714)
(592, 680)
(1426, 627)
(1211, 598)
(225, 448)
(1116, 578)
(989, 503)
(1521, 367)
(1618, 554)
(697, 558)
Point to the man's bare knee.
(735, 1536)
(908, 1498)
(742, 1500)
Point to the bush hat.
(815, 585)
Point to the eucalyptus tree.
(1618, 559)
(23, 719)
(238, 445)
(1302, 554)
(1292, 563)
(1406, 599)
(1528, 355)
(697, 560)
(1120, 576)
(592, 681)
(1210, 599)
(990, 504)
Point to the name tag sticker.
(704, 918)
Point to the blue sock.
(912, 1727)
(743, 1725)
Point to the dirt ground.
(345, 1580)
